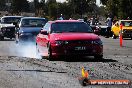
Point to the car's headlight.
(98, 42)
(3, 29)
(60, 42)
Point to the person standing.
(61, 17)
(109, 25)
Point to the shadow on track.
(127, 39)
(7, 39)
(84, 59)
(34, 71)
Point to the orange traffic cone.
(121, 42)
(84, 73)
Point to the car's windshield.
(33, 23)
(70, 27)
(126, 23)
(9, 20)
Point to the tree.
(82, 7)
(2, 4)
(36, 6)
(104, 2)
(43, 7)
(51, 1)
(125, 9)
(64, 9)
(120, 8)
(19, 6)
(52, 8)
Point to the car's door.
(42, 38)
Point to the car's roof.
(125, 20)
(66, 21)
(59, 21)
(32, 18)
(11, 16)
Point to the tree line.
(69, 9)
(120, 8)
(51, 8)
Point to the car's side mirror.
(43, 32)
(15, 23)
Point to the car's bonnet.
(30, 29)
(7, 25)
(73, 36)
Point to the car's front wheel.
(37, 52)
(49, 52)
(16, 39)
(114, 36)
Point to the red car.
(68, 38)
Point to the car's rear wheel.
(1, 37)
(98, 56)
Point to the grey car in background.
(28, 28)
(7, 26)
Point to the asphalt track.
(20, 67)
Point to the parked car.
(126, 29)
(7, 26)
(68, 38)
(28, 28)
(96, 28)
(103, 30)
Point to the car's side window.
(46, 27)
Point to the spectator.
(109, 24)
(93, 20)
(128, 18)
(61, 17)
(115, 19)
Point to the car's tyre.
(11, 38)
(98, 56)
(16, 39)
(49, 52)
(122, 37)
(1, 37)
(37, 51)
(114, 36)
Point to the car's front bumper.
(27, 37)
(8, 32)
(127, 33)
(73, 50)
